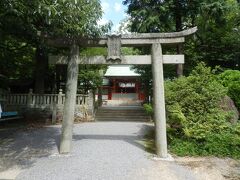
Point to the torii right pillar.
(159, 101)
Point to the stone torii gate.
(114, 44)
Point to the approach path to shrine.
(101, 151)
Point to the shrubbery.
(193, 103)
(231, 80)
(148, 108)
(196, 123)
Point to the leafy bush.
(196, 123)
(193, 103)
(231, 80)
(148, 108)
(223, 144)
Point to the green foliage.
(23, 24)
(218, 36)
(148, 108)
(223, 144)
(175, 118)
(196, 124)
(156, 16)
(185, 148)
(130, 51)
(90, 77)
(16, 58)
(217, 40)
(94, 51)
(231, 80)
(193, 101)
(74, 17)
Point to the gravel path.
(101, 151)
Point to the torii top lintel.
(135, 39)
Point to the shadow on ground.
(21, 147)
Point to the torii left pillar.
(70, 101)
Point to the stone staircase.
(122, 102)
(121, 113)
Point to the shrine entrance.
(121, 83)
(114, 44)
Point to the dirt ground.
(212, 168)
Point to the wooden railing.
(41, 99)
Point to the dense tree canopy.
(26, 18)
(23, 50)
(218, 38)
(217, 41)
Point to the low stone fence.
(47, 106)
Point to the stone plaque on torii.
(114, 44)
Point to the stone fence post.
(91, 103)
(59, 102)
(29, 98)
(56, 106)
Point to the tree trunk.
(58, 77)
(179, 66)
(41, 68)
(178, 21)
(147, 92)
(100, 99)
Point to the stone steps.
(123, 102)
(126, 113)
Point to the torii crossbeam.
(114, 44)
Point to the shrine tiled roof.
(120, 70)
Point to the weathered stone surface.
(159, 101)
(114, 49)
(228, 105)
(136, 59)
(126, 39)
(69, 105)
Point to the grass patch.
(148, 141)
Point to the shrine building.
(120, 82)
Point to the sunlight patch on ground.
(10, 173)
